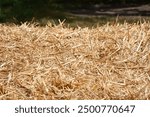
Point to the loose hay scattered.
(107, 62)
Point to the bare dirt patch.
(113, 10)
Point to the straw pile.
(57, 62)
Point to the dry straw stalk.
(107, 62)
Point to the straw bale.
(58, 62)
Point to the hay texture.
(56, 62)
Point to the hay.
(107, 62)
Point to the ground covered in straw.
(57, 62)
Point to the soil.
(110, 10)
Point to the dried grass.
(107, 62)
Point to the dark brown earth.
(110, 10)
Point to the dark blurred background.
(17, 11)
